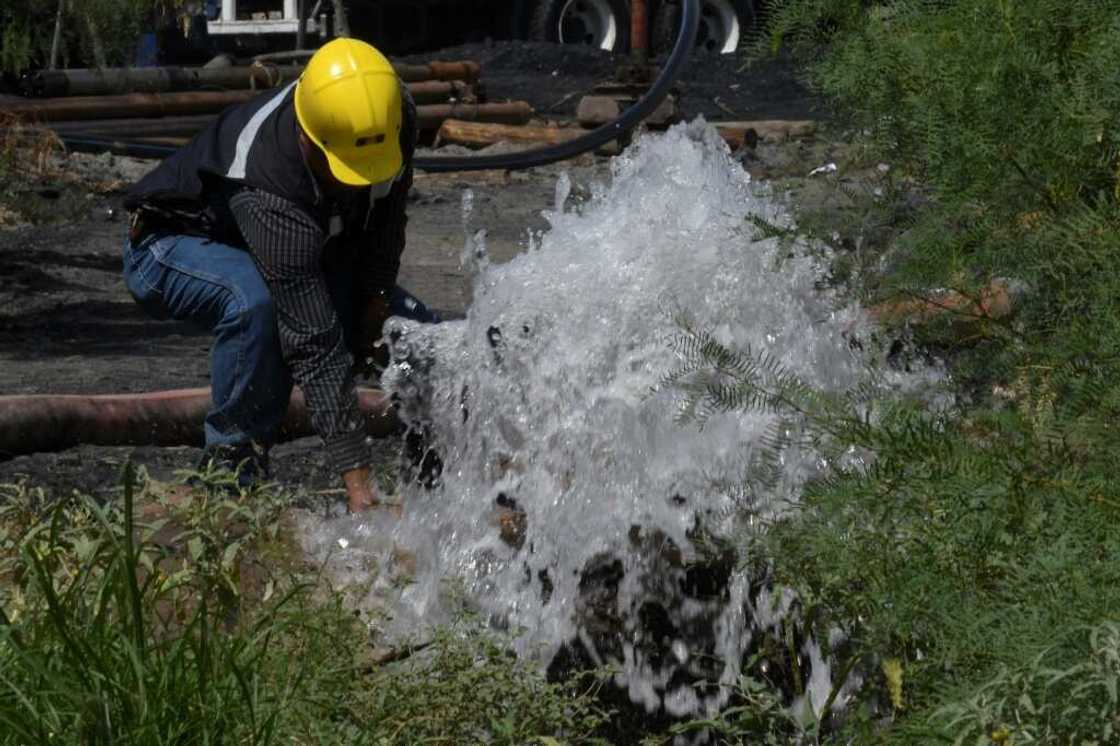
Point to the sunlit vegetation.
(974, 563)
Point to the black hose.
(642, 108)
(80, 144)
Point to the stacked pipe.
(84, 111)
(115, 80)
(168, 105)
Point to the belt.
(144, 222)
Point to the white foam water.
(546, 398)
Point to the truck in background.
(406, 26)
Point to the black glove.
(371, 357)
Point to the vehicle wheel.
(724, 25)
(604, 24)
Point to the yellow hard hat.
(348, 101)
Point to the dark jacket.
(243, 182)
(256, 144)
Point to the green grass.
(194, 628)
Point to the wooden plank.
(481, 134)
(738, 134)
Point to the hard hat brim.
(363, 172)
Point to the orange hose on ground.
(54, 422)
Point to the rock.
(594, 111)
(510, 520)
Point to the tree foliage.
(94, 32)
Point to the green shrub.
(978, 551)
(114, 630)
(1065, 698)
(1008, 112)
(474, 691)
(966, 547)
(108, 634)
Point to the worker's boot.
(248, 461)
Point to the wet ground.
(67, 324)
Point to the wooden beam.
(481, 134)
(737, 134)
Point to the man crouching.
(280, 229)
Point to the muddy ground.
(67, 324)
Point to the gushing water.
(569, 498)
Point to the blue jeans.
(218, 288)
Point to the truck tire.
(604, 24)
(724, 25)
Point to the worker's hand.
(362, 494)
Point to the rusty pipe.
(91, 137)
(639, 31)
(425, 94)
(129, 104)
(466, 71)
(55, 422)
(121, 80)
(100, 136)
(430, 117)
(190, 124)
(440, 91)
(82, 108)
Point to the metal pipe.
(121, 80)
(639, 31)
(129, 104)
(678, 58)
(136, 105)
(118, 80)
(425, 94)
(429, 118)
(515, 112)
(101, 136)
(301, 24)
(51, 422)
(440, 91)
(178, 126)
(172, 140)
(465, 70)
(79, 144)
(293, 54)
